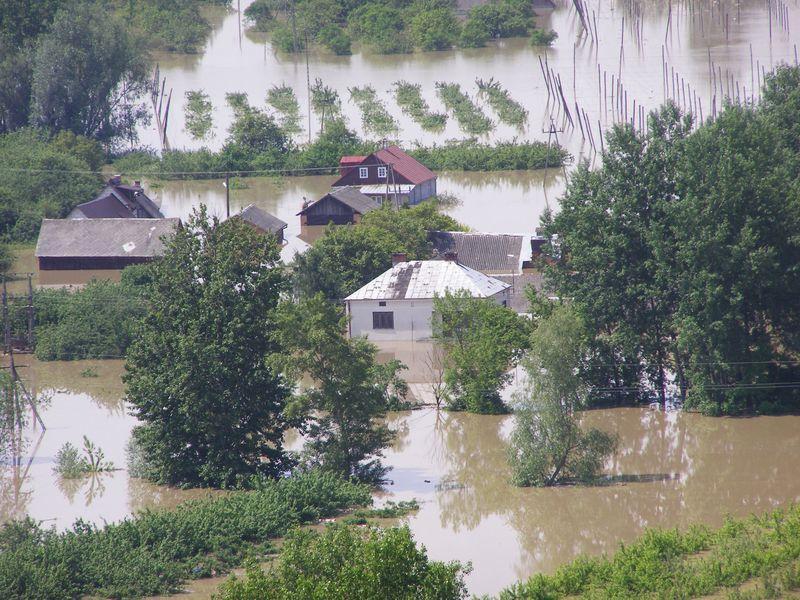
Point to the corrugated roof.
(382, 188)
(426, 279)
(493, 253)
(262, 219)
(350, 196)
(402, 163)
(103, 237)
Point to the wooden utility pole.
(30, 312)
(227, 195)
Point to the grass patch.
(508, 110)
(469, 116)
(155, 551)
(409, 98)
(375, 118)
(671, 564)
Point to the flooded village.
(620, 269)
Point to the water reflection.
(673, 469)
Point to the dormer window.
(381, 172)
(363, 172)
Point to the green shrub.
(473, 156)
(540, 37)
(470, 118)
(435, 29)
(509, 110)
(335, 39)
(283, 39)
(409, 99)
(474, 34)
(345, 562)
(153, 552)
(501, 18)
(259, 14)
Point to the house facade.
(398, 305)
(388, 175)
(118, 201)
(342, 206)
(72, 252)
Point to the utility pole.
(228, 195)
(6, 323)
(30, 311)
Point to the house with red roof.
(389, 174)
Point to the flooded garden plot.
(672, 469)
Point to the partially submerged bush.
(540, 37)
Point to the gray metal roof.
(103, 237)
(426, 279)
(262, 219)
(493, 253)
(353, 198)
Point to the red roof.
(402, 163)
(351, 160)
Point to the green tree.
(198, 118)
(482, 341)
(435, 29)
(326, 103)
(548, 445)
(345, 433)
(15, 86)
(346, 562)
(256, 132)
(198, 373)
(88, 72)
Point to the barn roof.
(407, 166)
(421, 279)
(117, 200)
(349, 196)
(494, 253)
(76, 238)
(262, 219)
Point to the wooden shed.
(343, 206)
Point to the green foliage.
(696, 563)
(254, 132)
(474, 34)
(434, 29)
(70, 465)
(470, 155)
(409, 99)
(347, 257)
(334, 39)
(547, 445)
(375, 118)
(379, 27)
(508, 110)
(540, 37)
(282, 99)
(96, 321)
(470, 118)
(345, 433)
(87, 73)
(40, 188)
(198, 377)
(285, 40)
(6, 258)
(498, 19)
(392, 510)
(482, 341)
(238, 102)
(155, 551)
(326, 103)
(346, 562)
(173, 25)
(697, 225)
(260, 15)
(198, 120)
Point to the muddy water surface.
(672, 470)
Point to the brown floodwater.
(672, 470)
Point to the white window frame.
(363, 172)
(381, 172)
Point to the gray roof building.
(338, 206)
(103, 238)
(262, 220)
(490, 253)
(118, 201)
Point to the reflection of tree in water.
(398, 423)
(92, 484)
(106, 389)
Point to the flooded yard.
(672, 470)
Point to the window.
(381, 303)
(363, 172)
(383, 320)
(382, 172)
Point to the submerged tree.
(326, 103)
(350, 392)
(199, 121)
(481, 341)
(198, 373)
(548, 445)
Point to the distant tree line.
(680, 255)
(388, 27)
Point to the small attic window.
(382, 172)
(363, 172)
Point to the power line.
(204, 172)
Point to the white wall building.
(398, 305)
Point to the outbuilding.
(263, 222)
(343, 206)
(118, 201)
(398, 305)
(75, 251)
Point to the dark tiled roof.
(118, 201)
(104, 207)
(402, 163)
(78, 238)
(350, 196)
(262, 219)
(493, 253)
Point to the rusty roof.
(407, 166)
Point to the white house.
(398, 305)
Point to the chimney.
(115, 180)
(398, 257)
(305, 203)
(451, 256)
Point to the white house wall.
(412, 318)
